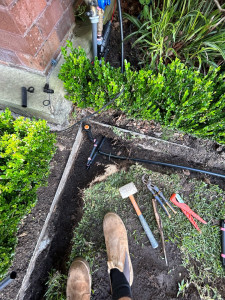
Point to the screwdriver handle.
(223, 242)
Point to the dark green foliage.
(26, 148)
(87, 84)
(56, 286)
(192, 30)
(174, 95)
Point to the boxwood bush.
(173, 95)
(26, 148)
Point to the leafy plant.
(26, 148)
(174, 95)
(191, 30)
(79, 12)
(88, 84)
(56, 286)
(182, 286)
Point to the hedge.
(26, 148)
(174, 95)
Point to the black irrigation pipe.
(7, 280)
(160, 164)
(121, 34)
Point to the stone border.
(44, 239)
(139, 135)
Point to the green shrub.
(87, 84)
(26, 148)
(173, 95)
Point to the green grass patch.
(56, 286)
(200, 252)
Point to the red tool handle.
(186, 208)
(191, 219)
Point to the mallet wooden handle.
(137, 209)
(144, 224)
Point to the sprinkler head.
(87, 127)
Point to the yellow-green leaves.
(26, 148)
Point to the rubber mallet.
(129, 190)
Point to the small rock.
(158, 134)
(186, 172)
(61, 147)
(23, 234)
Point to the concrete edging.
(44, 239)
(140, 135)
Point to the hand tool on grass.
(159, 223)
(223, 242)
(129, 190)
(177, 200)
(156, 193)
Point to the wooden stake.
(159, 223)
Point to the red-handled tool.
(177, 200)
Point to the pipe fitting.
(91, 2)
(94, 19)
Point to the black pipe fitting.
(7, 280)
(47, 90)
(24, 94)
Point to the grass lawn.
(200, 252)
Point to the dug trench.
(151, 274)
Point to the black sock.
(120, 285)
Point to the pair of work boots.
(119, 263)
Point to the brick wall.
(32, 31)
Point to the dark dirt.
(131, 54)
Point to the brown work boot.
(117, 245)
(79, 281)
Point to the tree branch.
(219, 7)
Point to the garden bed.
(45, 235)
(177, 149)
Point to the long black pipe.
(121, 34)
(161, 164)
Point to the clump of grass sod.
(56, 286)
(200, 252)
